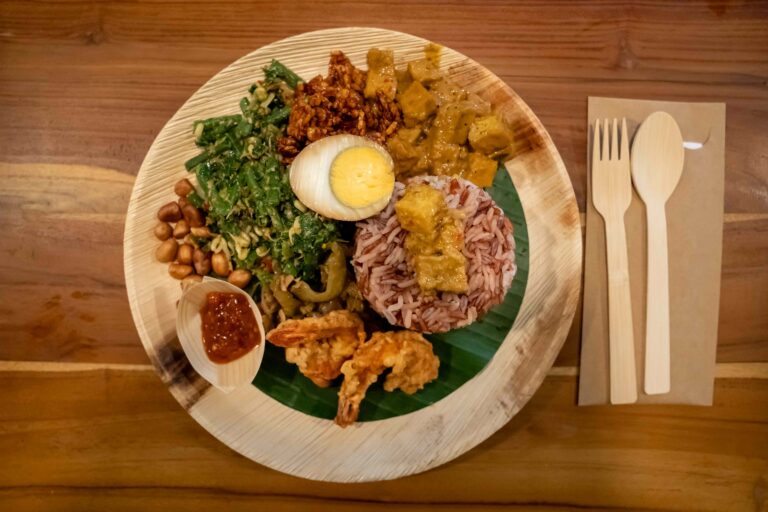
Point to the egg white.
(310, 177)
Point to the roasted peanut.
(199, 255)
(220, 264)
(185, 254)
(166, 251)
(203, 267)
(239, 278)
(182, 203)
(179, 270)
(163, 231)
(181, 229)
(193, 216)
(202, 232)
(169, 213)
(183, 188)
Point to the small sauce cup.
(225, 376)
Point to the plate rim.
(508, 407)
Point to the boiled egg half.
(343, 177)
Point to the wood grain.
(92, 83)
(85, 444)
(117, 71)
(61, 281)
(63, 318)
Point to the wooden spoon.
(657, 163)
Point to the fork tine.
(615, 140)
(604, 153)
(596, 144)
(624, 139)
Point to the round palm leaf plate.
(488, 370)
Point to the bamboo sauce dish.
(227, 365)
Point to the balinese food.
(435, 239)
(446, 130)
(320, 345)
(343, 177)
(407, 353)
(350, 207)
(229, 327)
(346, 101)
(390, 284)
(252, 212)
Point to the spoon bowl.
(657, 158)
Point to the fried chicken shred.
(338, 104)
(407, 353)
(320, 345)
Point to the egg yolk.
(361, 176)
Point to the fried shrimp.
(320, 345)
(407, 353)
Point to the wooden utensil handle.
(657, 372)
(620, 330)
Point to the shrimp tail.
(347, 412)
(286, 338)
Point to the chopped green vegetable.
(277, 72)
(247, 192)
(195, 200)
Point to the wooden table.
(86, 424)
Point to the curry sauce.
(435, 239)
(446, 130)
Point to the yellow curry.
(447, 131)
(435, 239)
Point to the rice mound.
(388, 282)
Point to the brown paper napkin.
(695, 237)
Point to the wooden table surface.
(85, 424)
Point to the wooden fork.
(611, 195)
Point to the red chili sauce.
(229, 327)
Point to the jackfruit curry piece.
(446, 130)
(435, 239)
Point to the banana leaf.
(463, 352)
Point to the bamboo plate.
(277, 436)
